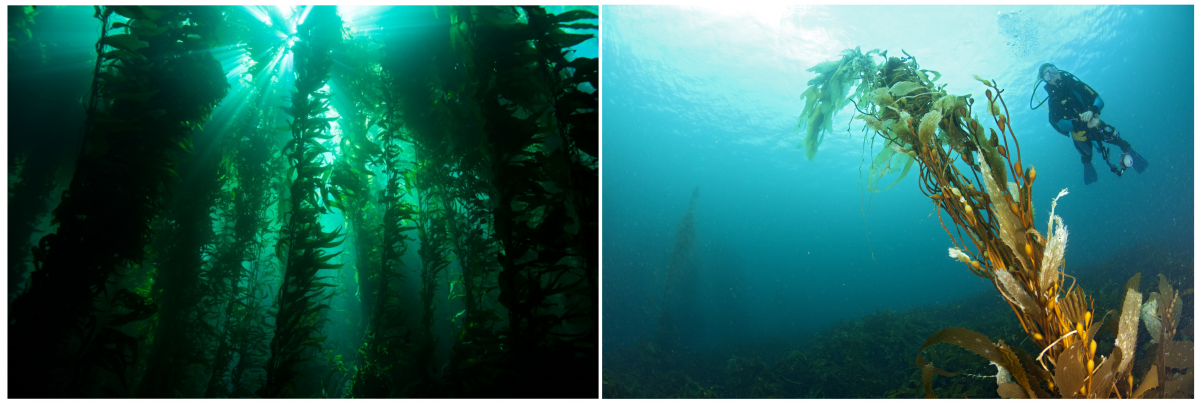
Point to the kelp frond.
(829, 92)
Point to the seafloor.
(873, 356)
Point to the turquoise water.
(707, 97)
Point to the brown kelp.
(940, 132)
(1173, 359)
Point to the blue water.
(708, 97)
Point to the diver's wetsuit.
(1071, 98)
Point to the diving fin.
(1089, 173)
(1139, 163)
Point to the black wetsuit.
(1070, 98)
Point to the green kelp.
(827, 94)
(250, 180)
(139, 121)
(304, 241)
(891, 159)
(536, 116)
(33, 163)
(884, 95)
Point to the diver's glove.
(1090, 118)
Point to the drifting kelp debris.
(938, 130)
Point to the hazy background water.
(707, 97)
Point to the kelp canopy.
(251, 180)
(920, 122)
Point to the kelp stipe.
(577, 113)
(45, 115)
(353, 191)
(299, 309)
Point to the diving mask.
(1050, 73)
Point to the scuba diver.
(1075, 112)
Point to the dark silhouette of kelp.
(139, 117)
(679, 290)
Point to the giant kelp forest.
(303, 202)
(1064, 343)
